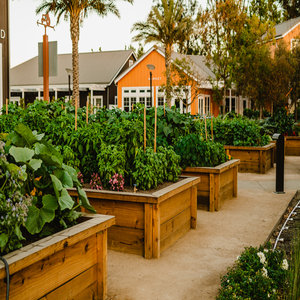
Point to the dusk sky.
(109, 33)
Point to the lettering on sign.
(2, 34)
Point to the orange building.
(196, 97)
(287, 32)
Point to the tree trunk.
(260, 111)
(168, 50)
(74, 29)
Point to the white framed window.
(204, 105)
(295, 43)
(15, 100)
(97, 101)
(230, 104)
(134, 95)
(116, 101)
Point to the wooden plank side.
(169, 227)
(74, 288)
(174, 205)
(217, 190)
(102, 265)
(194, 207)
(226, 191)
(226, 177)
(235, 181)
(156, 216)
(128, 214)
(211, 192)
(148, 230)
(166, 243)
(44, 276)
(88, 293)
(129, 240)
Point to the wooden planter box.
(292, 145)
(253, 159)
(217, 183)
(147, 224)
(70, 264)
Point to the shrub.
(257, 274)
(111, 160)
(151, 169)
(196, 152)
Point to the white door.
(1, 78)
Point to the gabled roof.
(94, 68)
(198, 63)
(284, 28)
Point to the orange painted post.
(87, 112)
(155, 123)
(45, 21)
(6, 107)
(145, 128)
(46, 67)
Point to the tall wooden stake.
(87, 111)
(155, 121)
(6, 103)
(145, 129)
(212, 128)
(76, 113)
(205, 127)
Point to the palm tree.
(76, 11)
(167, 23)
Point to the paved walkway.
(191, 268)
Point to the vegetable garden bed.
(253, 159)
(292, 146)
(147, 224)
(217, 183)
(70, 264)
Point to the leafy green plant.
(152, 169)
(111, 160)
(47, 181)
(13, 203)
(196, 152)
(259, 273)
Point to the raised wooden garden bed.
(253, 159)
(217, 183)
(147, 224)
(292, 146)
(70, 264)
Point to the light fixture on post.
(69, 72)
(151, 68)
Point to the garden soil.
(191, 268)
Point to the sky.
(109, 33)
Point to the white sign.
(2, 34)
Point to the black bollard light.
(279, 138)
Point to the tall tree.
(167, 24)
(76, 11)
(221, 24)
(266, 10)
(291, 8)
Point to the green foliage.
(281, 122)
(111, 160)
(294, 270)
(152, 169)
(196, 152)
(257, 274)
(239, 131)
(47, 181)
(13, 203)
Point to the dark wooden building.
(4, 52)
(97, 72)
